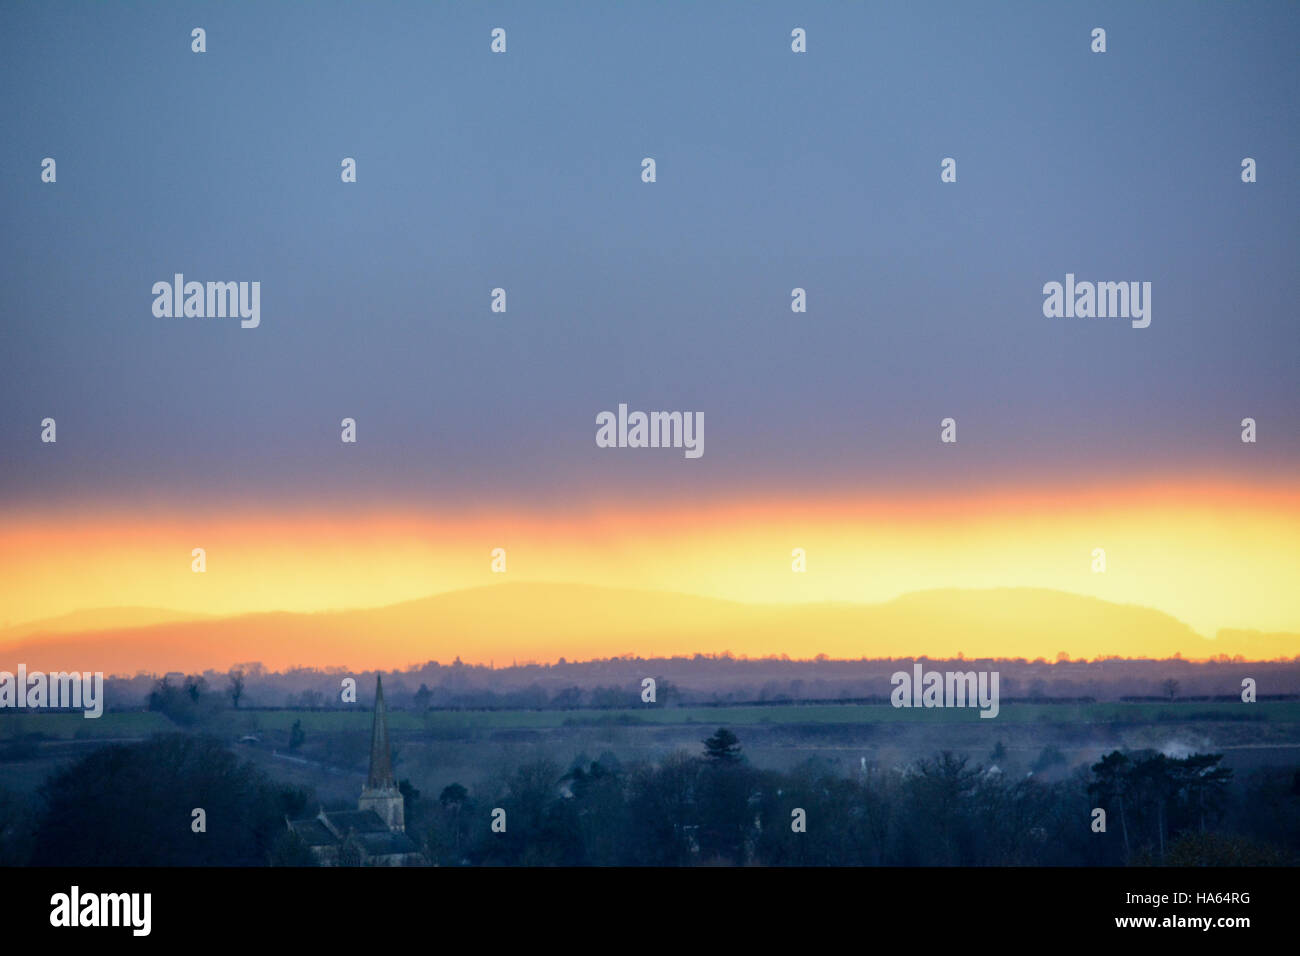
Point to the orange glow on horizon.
(1214, 554)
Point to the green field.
(142, 723)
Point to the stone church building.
(374, 834)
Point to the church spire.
(381, 766)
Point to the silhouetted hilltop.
(545, 622)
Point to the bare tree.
(236, 686)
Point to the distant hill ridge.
(98, 619)
(545, 621)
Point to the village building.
(374, 834)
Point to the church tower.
(380, 792)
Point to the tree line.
(131, 804)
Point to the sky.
(775, 170)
